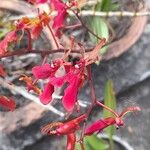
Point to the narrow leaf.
(110, 101)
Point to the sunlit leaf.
(92, 143)
(110, 101)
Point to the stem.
(82, 145)
(93, 96)
(92, 91)
(29, 40)
(87, 13)
(57, 45)
(72, 26)
(43, 52)
(106, 107)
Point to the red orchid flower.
(99, 125)
(9, 38)
(35, 24)
(68, 128)
(43, 72)
(61, 9)
(7, 103)
(47, 70)
(74, 78)
(2, 71)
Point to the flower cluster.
(74, 78)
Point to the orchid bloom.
(9, 38)
(7, 103)
(61, 9)
(101, 124)
(68, 128)
(74, 79)
(43, 72)
(35, 25)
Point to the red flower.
(46, 95)
(2, 71)
(74, 78)
(68, 128)
(99, 125)
(7, 103)
(46, 70)
(43, 72)
(35, 25)
(10, 37)
(61, 9)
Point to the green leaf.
(110, 101)
(106, 5)
(99, 27)
(93, 143)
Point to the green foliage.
(110, 101)
(93, 143)
(99, 25)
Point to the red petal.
(2, 71)
(58, 5)
(10, 37)
(59, 19)
(36, 31)
(71, 139)
(71, 92)
(58, 81)
(46, 95)
(42, 72)
(99, 125)
(7, 103)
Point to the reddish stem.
(82, 145)
(57, 45)
(106, 107)
(43, 52)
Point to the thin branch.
(111, 13)
(43, 52)
(92, 13)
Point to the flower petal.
(59, 19)
(36, 31)
(42, 72)
(58, 81)
(46, 95)
(7, 103)
(71, 92)
(10, 37)
(99, 125)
